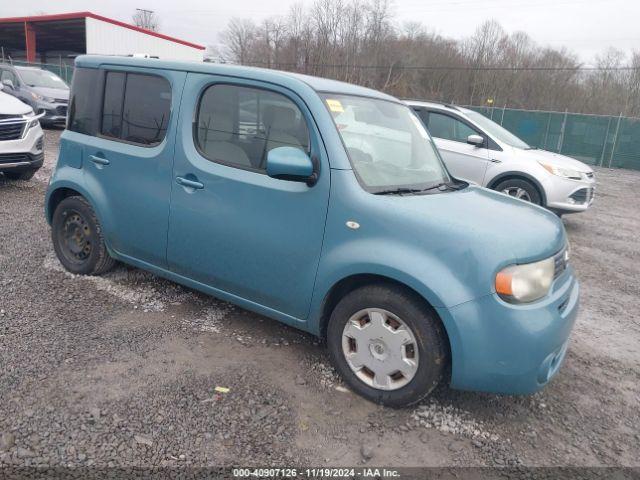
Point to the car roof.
(275, 76)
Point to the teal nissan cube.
(321, 204)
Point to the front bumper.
(569, 196)
(25, 153)
(54, 113)
(512, 349)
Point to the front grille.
(61, 110)
(11, 131)
(14, 157)
(560, 261)
(582, 196)
(60, 100)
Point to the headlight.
(37, 96)
(34, 120)
(562, 172)
(525, 283)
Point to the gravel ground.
(121, 370)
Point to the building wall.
(108, 39)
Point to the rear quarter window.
(84, 104)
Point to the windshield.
(42, 78)
(495, 130)
(387, 145)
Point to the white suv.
(21, 139)
(479, 150)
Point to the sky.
(586, 27)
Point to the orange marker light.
(503, 283)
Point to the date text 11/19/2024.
(315, 472)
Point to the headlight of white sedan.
(562, 172)
(525, 283)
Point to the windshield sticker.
(335, 105)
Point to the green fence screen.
(595, 139)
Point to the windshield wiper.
(446, 186)
(404, 190)
(457, 185)
(398, 191)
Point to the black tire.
(425, 326)
(77, 238)
(517, 183)
(23, 175)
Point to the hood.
(57, 93)
(10, 105)
(553, 158)
(483, 222)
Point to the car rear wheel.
(521, 189)
(23, 175)
(77, 238)
(387, 344)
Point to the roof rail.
(444, 104)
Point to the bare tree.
(238, 38)
(359, 42)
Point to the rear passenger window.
(238, 126)
(136, 107)
(84, 107)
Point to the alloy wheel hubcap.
(380, 349)
(517, 192)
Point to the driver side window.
(449, 128)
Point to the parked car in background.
(320, 204)
(478, 150)
(43, 90)
(21, 139)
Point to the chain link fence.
(601, 140)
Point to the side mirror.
(476, 140)
(8, 83)
(290, 163)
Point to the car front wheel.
(521, 189)
(387, 344)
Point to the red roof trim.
(82, 15)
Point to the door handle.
(99, 160)
(185, 182)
